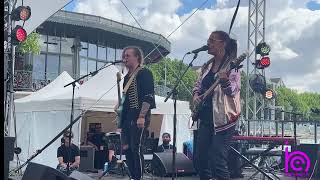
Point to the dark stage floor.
(247, 174)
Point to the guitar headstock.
(236, 62)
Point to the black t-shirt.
(96, 138)
(140, 90)
(63, 151)
(205, 85)
(164, 147)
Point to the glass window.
(42, 40)
(83, 66)
(66, 44)
(84, 50)
(39, 64)
(52, 66)
(92, 51)
(66, 64)
(102, 53)
(91, 66)
(53, 44)
(100, 64)
(111, 54)
(118, 54)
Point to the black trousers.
(212, 149)
(135, 138)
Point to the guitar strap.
(125, 89)
(119, 109)
(215, 79)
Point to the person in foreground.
(64, 157)
(220, 111)
(135, 116)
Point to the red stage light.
(265, 61)
(18, 35)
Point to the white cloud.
(291, 30)
(307, 82)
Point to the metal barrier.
(305, 129)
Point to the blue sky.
(188, 5)
(313, 5)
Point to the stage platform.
(247, 174)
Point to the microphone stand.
(174, 93)
(73, 83)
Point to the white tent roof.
(99, 93)
(54, 88)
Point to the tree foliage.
(300, 103)
(174, 68)
(31, 44)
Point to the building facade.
(79, 44)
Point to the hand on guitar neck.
(197, 99)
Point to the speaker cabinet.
(8, 154)
(36, 171)
(297, 159)
(87, 154)
(162, 164)
(313, 152)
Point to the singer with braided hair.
(220, 110)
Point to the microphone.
(115, 62)
(203, 48)
(17, 150)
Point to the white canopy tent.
(41, 117)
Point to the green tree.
(174, 68)
(31, 44)
(300, 103)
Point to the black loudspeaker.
(8, 154)
(36, 171)
(162, 164)
(297, 159)
(86, 158)
(76, 175)
(313, 152)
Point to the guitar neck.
(216, 81)
(119, 95)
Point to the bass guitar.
(228, 65)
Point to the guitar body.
(228, 65)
